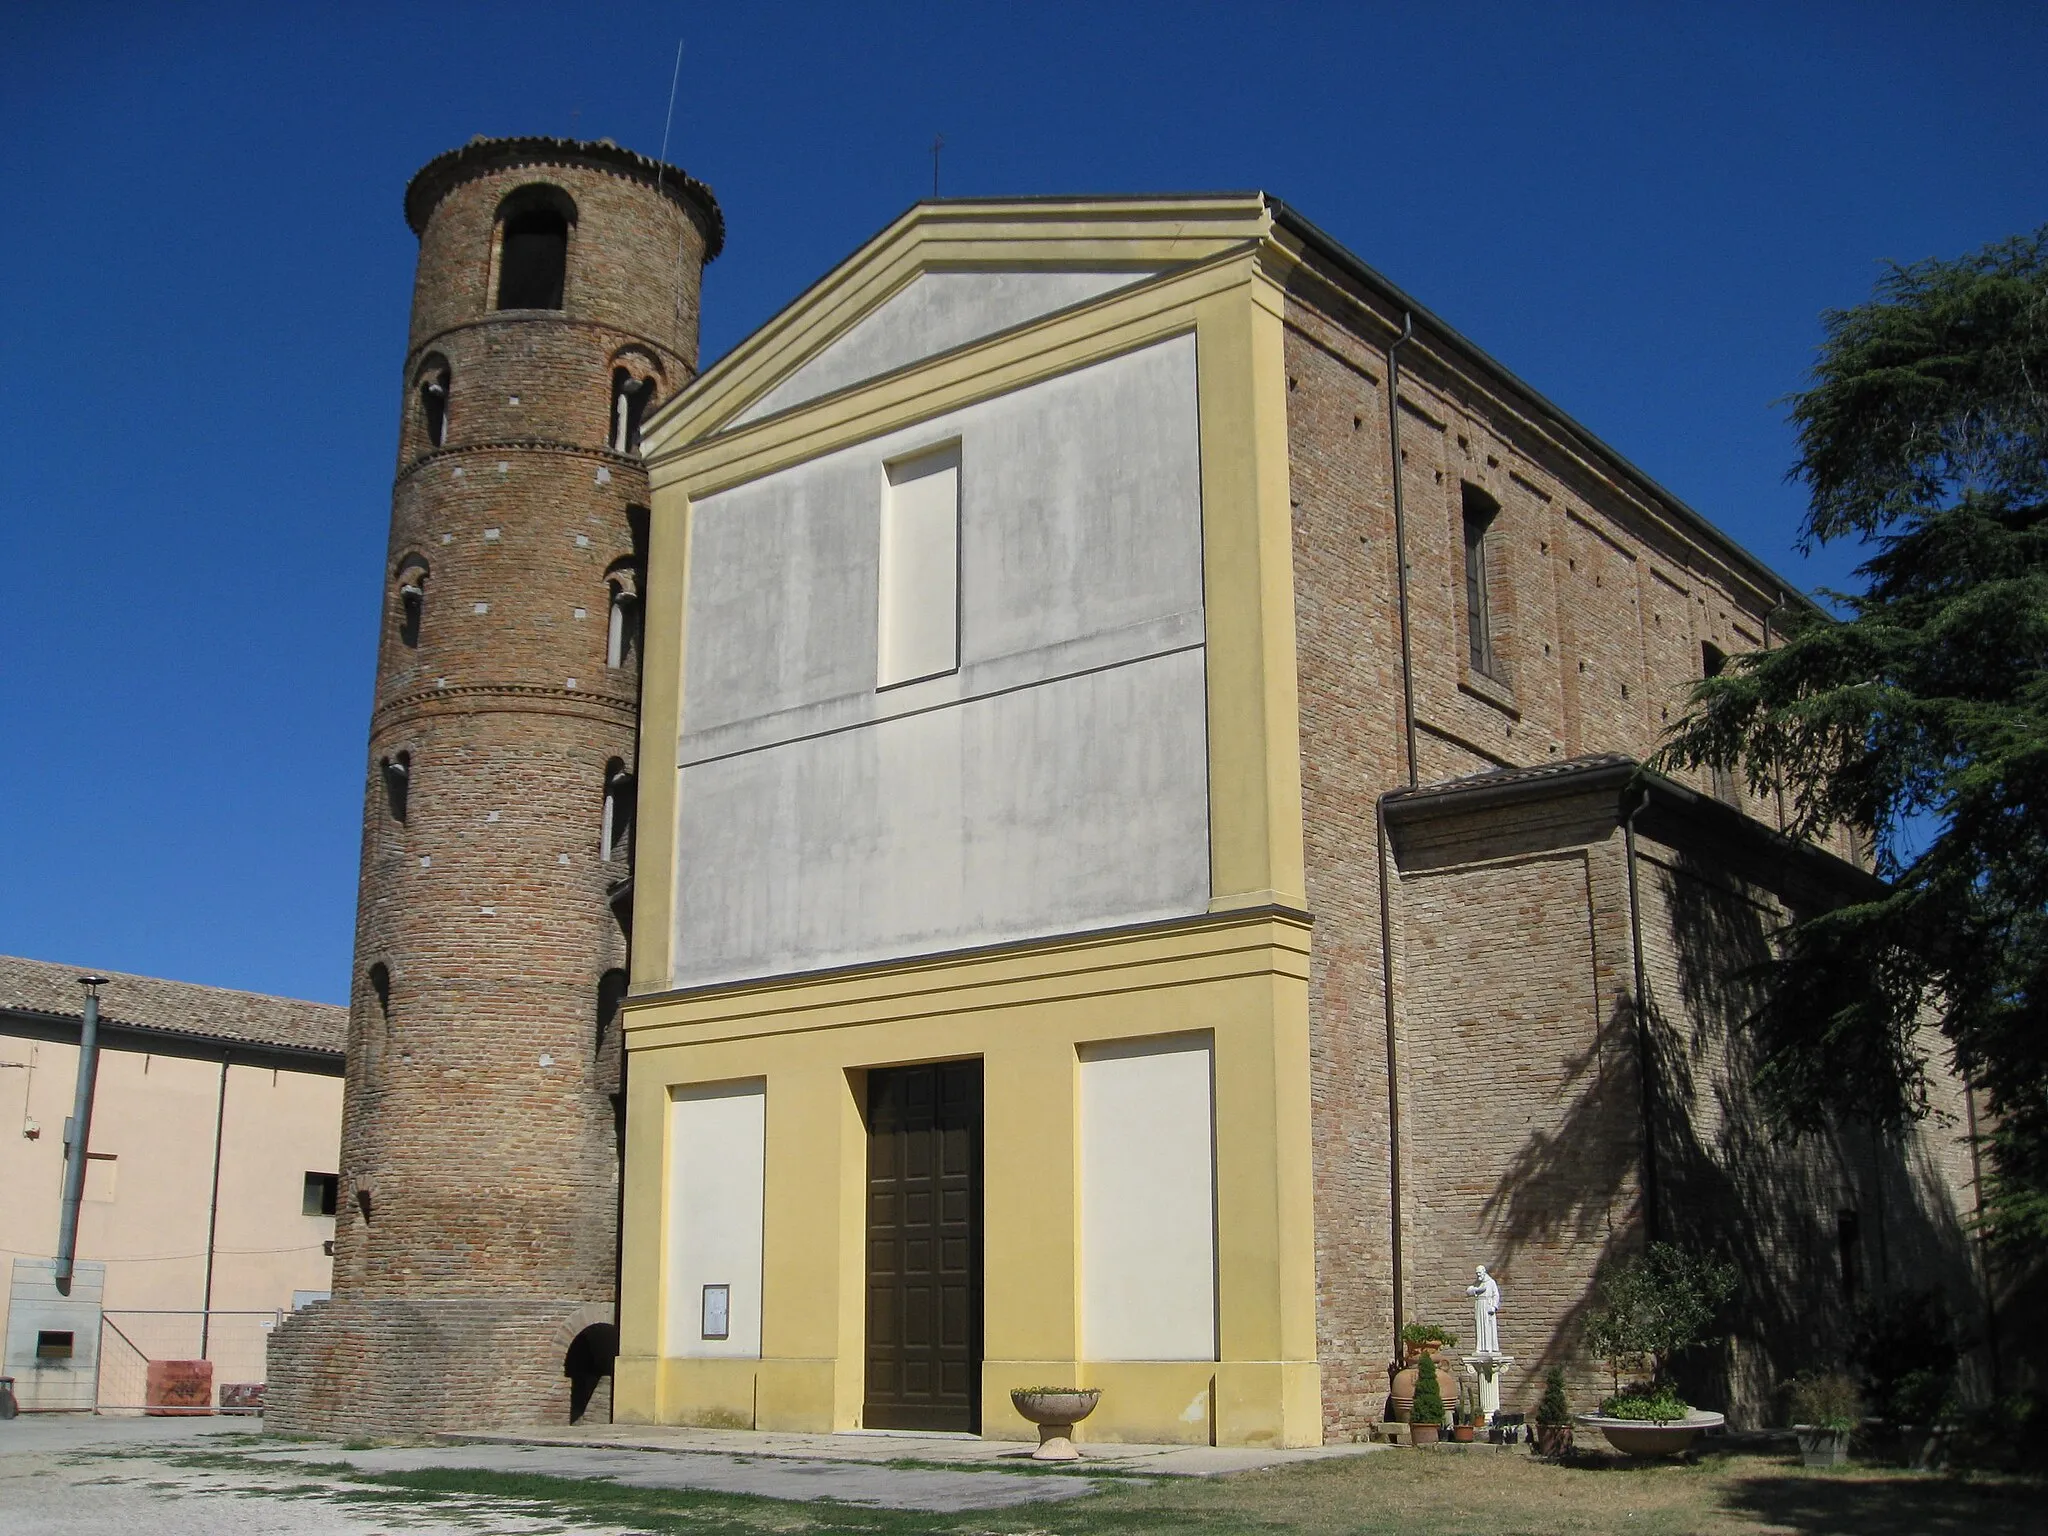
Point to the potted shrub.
(1654, 1304)
(1825, 1409)
(1427, 1421)
(1426, 1338)
(1554, 1416)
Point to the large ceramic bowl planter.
(1820, 1447)
(1056, 1410)
(1647, 1438)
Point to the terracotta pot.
(1462, 1433)
(1424, 1434)
(1401, 1394)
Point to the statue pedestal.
(1489, 1366)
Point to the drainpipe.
(220, 1120)
(78, 1132)
(1645, 1055)
(1380, 821)
(1393, 1076)
(1401, 539)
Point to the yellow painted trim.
(654, 839)
(1024, 1013)
(1134, 232)
(1256, 854)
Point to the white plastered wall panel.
(1057, 780)
(717, 1146)
(933, 313)
(1148, 1200)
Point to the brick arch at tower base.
(400, 1364)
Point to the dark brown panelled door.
(924, 1247)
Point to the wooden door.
(924, 1247)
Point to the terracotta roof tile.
(174, 1007)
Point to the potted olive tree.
(1654, 1304)
(1825, 1409)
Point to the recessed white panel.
(1148, 1200)
(919, 597)
(717, 1143)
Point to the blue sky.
(205, 276)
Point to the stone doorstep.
(877, 1447)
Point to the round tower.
(556, 302)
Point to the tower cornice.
(481, 156)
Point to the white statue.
(1485, 1294)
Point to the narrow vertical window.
(622, 638)
(1480, 512)
(918, 628)
(432, 384)
(397, 775)
(630, 399)
(1713, 662)
(611, 991)
(1849, 1244)
(618, 810)
(412, 599)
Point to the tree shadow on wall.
(1567, 1185)
(1725, 1182)
(1812, 1225)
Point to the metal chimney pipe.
(78, 1131)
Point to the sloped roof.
(177, 1008)
(1597, 768)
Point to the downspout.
(78, 1132)
(1640, 1006)
(220, 1120)
(1401, 539)
(1399, 1277)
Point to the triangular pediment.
(942, 278)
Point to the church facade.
(1107, 923)
(1068, 813)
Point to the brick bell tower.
(475, 1248)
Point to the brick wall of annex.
(1599, 614)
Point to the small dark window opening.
(323, 1194)
(611, 991)
(434, 404)
(534, 260)
(1849, 1243)
(412, 599)
(380, 983)
(622, 640)
(1481, 510)
(630, 399)
(54, 1344)
(397, 773)
(620, 792)
(1713, 662)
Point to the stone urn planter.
(1055, 1410)
(1820, 1447)
(1648, 1438)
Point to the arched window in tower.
(430, 384)
(533, 248)
(619, 796)
(630, 398)
(622, 643)
(396, 771)
(412, 598)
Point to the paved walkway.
(962, 1451)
